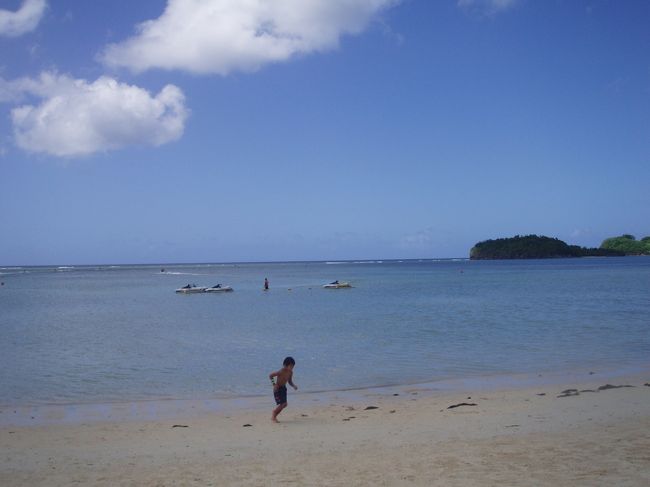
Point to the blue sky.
(288, 130)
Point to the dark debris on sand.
(574, 392)
(569, 392)
(609, 386)
(461, 404)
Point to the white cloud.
(25, 19)
(487, 7)
(7, 91)
(76, 117)
(581, 233)
(221, 36)
(422, 239)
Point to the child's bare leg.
(277, 411)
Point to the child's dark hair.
(289, 361)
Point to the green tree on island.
(628, 244)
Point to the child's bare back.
(283, 376)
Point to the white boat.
(337, 285)
(191, 289)
(218, 289)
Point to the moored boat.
(191, 289)
(218, 289)
(337, 285)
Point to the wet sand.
(576, 433)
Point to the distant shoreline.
(280, 262)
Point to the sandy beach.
(578, 433)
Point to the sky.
(268, 130)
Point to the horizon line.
(158, 264)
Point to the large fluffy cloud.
(220, 36)
(23, 20)
(76, 117)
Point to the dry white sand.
(510, 437)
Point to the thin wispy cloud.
(9, 91)
(420, 240)
(74, 117)
(222, 36)
(23, 20)
(487, 7)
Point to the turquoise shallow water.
(97, 334)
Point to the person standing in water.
(266, 284)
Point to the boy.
(284, 375)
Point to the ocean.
(94, 334)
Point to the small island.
(535, 247)
(628, 244)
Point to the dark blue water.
(94, 334)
